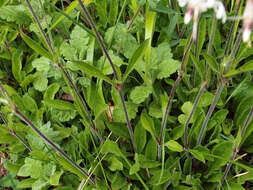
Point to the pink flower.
(247, 21)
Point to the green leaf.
(199, 66)
(115, 164)
(136, 57)
(119, 129)
(198, 155)
(136, 167)
(40, 82)
(247, 67)
(139, 137)
(111, 147)
(36, 46)
(148, 123)
(15, 13)
(29, 103)
(174, 146)
(26, 183)
(91, 70)
(55, 178)
(17, 65)
(51, 91)
(212, 63)
(60, 104)
(31, 168)
(140, 93)
(39, 184)
(224, 150)
(41, 64)
(206, 99)
(119, 115)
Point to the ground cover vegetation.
(126, 94)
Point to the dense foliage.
(104, 99)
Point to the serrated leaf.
(115, 164)
(55, 178)
(41, 64)
(31, 168)
(140, 93)
(40, 82)
(174, 146)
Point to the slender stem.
(118, 87)
(210, 43)
(69, 80)
(210, 111)
(13, 133)
(47, 40)
(165, 116)
(234, 50)
(232, 29)
(236, 149)
(31, 125)
(172, 92)
(83, 103)
(127, 119)
(134, 17)
(99, 38)
(186, 138)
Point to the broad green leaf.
(174, 146)
(119, 129)
(51, 91)
(151, 150)
(224, 150)
(244, 68)
(40, 82)
(202, 34)
(115, 164)
(17, 65)
(40, 184)
(140, 93)
(91, 70)
(198, 155)
(55, 178)
(139, 137)
(136, 57)
(41, 64)
(148, 124)
(119, 115)
(31, 168)
(60, 104)
(36, 46)
(212, 63)
(206, 99)
(111, 147)
(29, 103)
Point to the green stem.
(119, 86)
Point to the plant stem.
(236, 149)
(186, 138)
(47, 40)
(232, 29)
(51, 143)
(210, 111)
(83, 103)
(210, 43)
(165, 116)
(66, 75)
(13, 133)
(119, 86)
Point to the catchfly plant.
(196, 7)
(247, 21)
